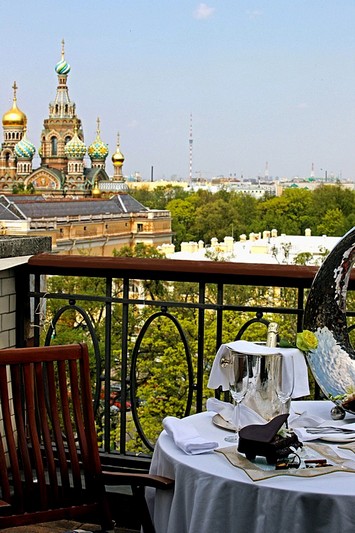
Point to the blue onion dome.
(62, 67)
(24, 148)
(98, 150)
(75, 148)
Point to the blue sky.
(265, 80)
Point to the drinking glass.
(238, 385)
(284, 380)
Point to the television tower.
(266, 173)
(190, 151)
(312, 171)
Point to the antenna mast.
(190, 151)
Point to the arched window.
(54, 144)
(67, 139)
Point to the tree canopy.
(202, 215)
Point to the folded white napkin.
(186, 436)
(304, 420)
(228, 412)
(219, 375)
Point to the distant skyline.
(265, 81)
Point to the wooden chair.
(49, 459)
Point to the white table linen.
(219, 376)
(212, 496)
(186, 436)
(227, 411)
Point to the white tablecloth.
(212, 496)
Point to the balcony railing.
(215, 298)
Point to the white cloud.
(133, 124)
(203, 11)
(254, 13)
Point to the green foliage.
(139, 250)
(19, 188)
(201, 215)
(303, 258)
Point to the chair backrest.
(49, 459)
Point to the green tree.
(183, 215)
(333, 223)
(290, 213)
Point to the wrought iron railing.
(220, 297)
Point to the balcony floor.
(61, 526)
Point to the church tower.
(117, 161)
(59, 126)
(24, 151)
(75, 151)
(98, 151)
(14, 123)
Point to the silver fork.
(329, 429)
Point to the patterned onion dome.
(98, 150)
(118, 157)
(75, 148)
(62, 67)
(24, 148)
(14, 117)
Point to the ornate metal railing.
(217, 297)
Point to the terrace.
(212, 295)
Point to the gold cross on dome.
(15, 87)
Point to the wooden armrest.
(4, 507)
(135, 479)
(4, 504)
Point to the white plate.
(338, 437)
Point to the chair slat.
(68, 427)
(43, 420)
(37, 466)
(57, 435)
(11, 444)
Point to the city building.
(93, 226)
(258, 248)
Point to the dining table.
(212, 495)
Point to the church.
(62, 150)
(80, 207)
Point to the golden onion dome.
(14, 117)
(96, 193)
(118, 157)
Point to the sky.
(267, 82)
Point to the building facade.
(86, 225)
